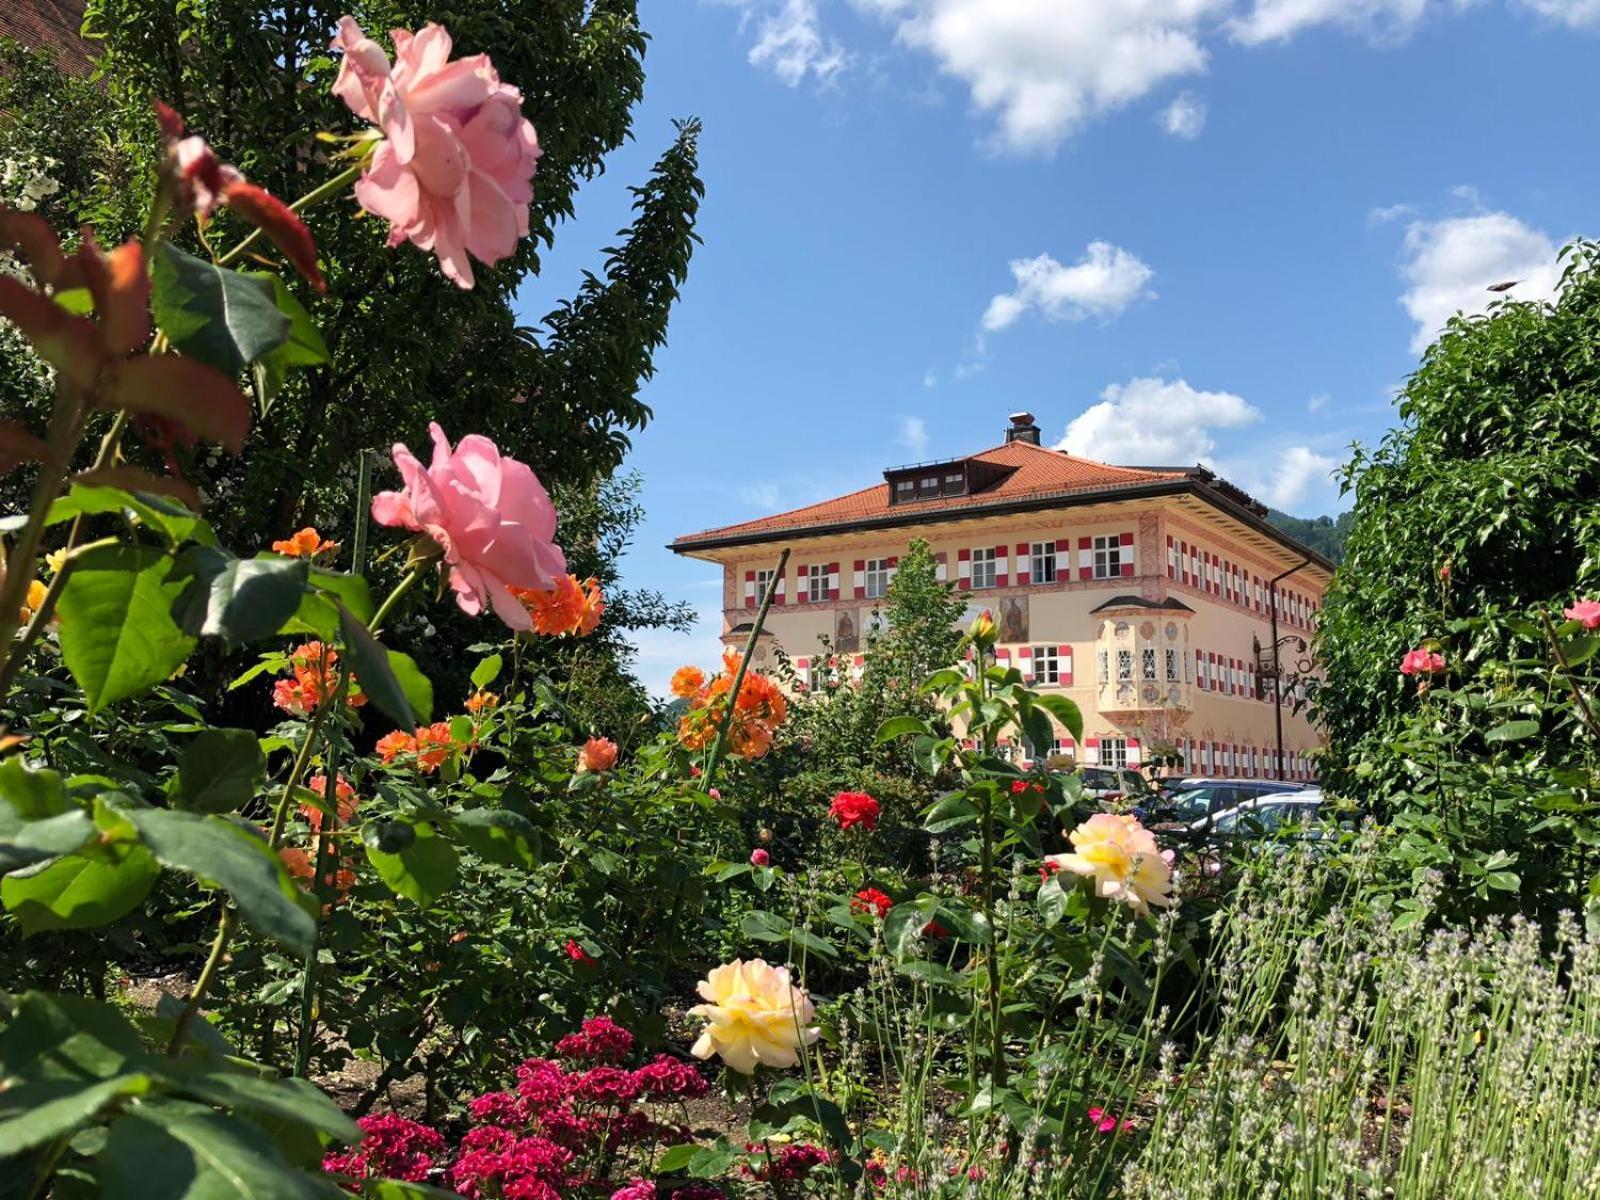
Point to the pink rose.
(760, 858)
(1422, 662)
(489, 514)
(454, 173)
(1585, 612)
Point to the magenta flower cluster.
(582, 1122)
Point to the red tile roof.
(1035, 473)
(52, 26)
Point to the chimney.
(1023, 429)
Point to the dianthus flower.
(666, 1078)
(873, 901)
(308, 543)
(605, 1085)
(1105, 1122)
(635, 1189)
(600, 1039)
(393, 1148)
(496, 1109)
(855, 808)
(790, 1163)
(541, 1083)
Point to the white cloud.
(660, 652)
(1300, 472)
(760, 495)
(1574, 13)
(1280, 20)
(1045, 67)
(1154, 422)
(1185, 117)
(1103, 283)
(1385, 213)
(929, 379)
(1318, 402)
(912, 433)
(789, 40)
(1449, 265)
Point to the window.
(955, 483)
(1105, 669)
(983, 568)
(1114, 751)
(877, 578)
(927, 486)
(1172, 664)
(816, 583)
(1147, 663)
(905, 489)
(1107, 557)
(1044, 562)
(1046, 666)
(1124, 665)
(763, 582)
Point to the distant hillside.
(1325, 535)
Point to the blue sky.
(1244, 216)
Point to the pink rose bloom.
(1422, 662)
(454, 173)
(759, 857)
(489, 514)
(1585, 612)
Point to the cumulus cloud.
(1300, 472)
(1154, 421)
(1449, 265)
(1103, 283)
(913, 435)
(1185, 117)
(1043, 68)
(1577, 14)
(789, 41)
(761, 495)
(1280, 20)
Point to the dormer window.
(955, 483)
(905, 489)
(942, 480)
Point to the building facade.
(1145, 594)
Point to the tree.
(1482, 501)
(410, 345)
(923, 616)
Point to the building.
(1146, 594)
(52, 27)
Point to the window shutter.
(1064, 665)
(1127, 554)
(941, 565)
(1024, 565)
(1091, 751)
(802, 668)
(803, 591)
(861, 579)
(1025, 655)
(1172, 559)
(1085, 558)
(749, 589)
(1002, 576)
(1134, 758)
(964, 569)
(778, 590)
(833, 581)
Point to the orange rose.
(308, 543)
(597, 755)
(686, 681)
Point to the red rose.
(855, 808)
(759, 857)
(873, 901)
(577, 953)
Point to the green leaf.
(418, 688)
(23, 842)
(306, 1105)
(117, 633)
(487, 671)
(372, 665)
(225, 318)
(304, 347)
(38, 1112)
(200, 1156)
(1064, 711)
(712, 1162)
(896, 727)
(80, 891)
(31, 793)
(159, 514)
(237, 860)
(219, 771)
(240, 599)
(501, 837)
(676, 1158)
(1052, 901)
(422, 871)
(1512, 731)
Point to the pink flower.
(599, 1040)
(1105, 1122)
(597, 756)
(638, 1189)
(760, 858)
(454, 173)
(489, 514)
(1585, 612)
(1422, 662)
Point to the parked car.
(1190, 800)
(1261, 814)
(1107, 785)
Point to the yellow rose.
(754, 1016)
(982, 630)
(1122, 858)
(55, 560)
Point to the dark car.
(1191, 800)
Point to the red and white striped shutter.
(1064, 665)
(1216, 574)
(1238, 677)
(1200, 670)
(1002, 657)
(1085, 558)
(1183, 562)
(833, 581)
(861, 579)
(1127, 554)
(1194, 566)
(941, 566)
(779, 589)
(1091, 751)
(749, 589)
(1025, 663)
(1172, 559)
(802, 668)
(1063, 560)
(1134, 755)
(964, 569)
(802, 593)
(1002, 572)
(1024, 565)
